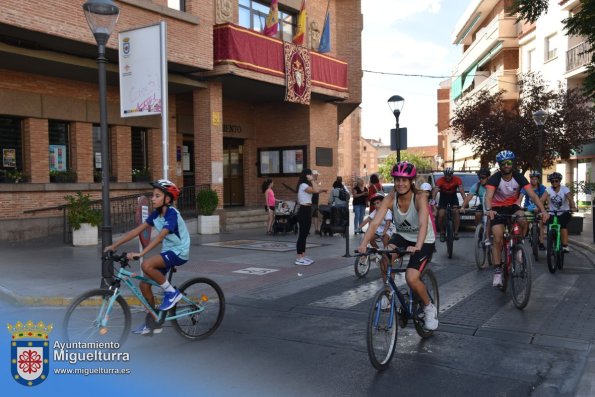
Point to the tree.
(490, 124)
(422, 164)
(582, 23)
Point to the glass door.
(233, 172)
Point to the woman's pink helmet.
(404, 169)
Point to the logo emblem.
(29, 352)
(126, 45)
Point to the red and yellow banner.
(272, 23)
(300, 33)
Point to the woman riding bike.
(413, 232)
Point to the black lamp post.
(395, 103)
(454, 144)
(102, 16)
(540, 117)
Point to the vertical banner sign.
(140, 72)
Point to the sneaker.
(302, 262)
(565, 248)
(310, 261)
(497, 282)
(456, 236)
(542, 247)
(385, 305)
(170, 299)
(487, 242)
(144, 330)
(430, 317)
(442, 237)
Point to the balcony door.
(233, 172)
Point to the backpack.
(343, 195)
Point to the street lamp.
(102, 16)
(454, 144)
(395, 104)
(540, 117)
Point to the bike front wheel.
(382, 331)
(551, 251)
(449, 238)
(362, 265)
(199, 294)
(480, 248)
(429, 279)
(520, 276)
(90, 318)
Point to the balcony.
(499, 30)
(252, 55)
(578, 56)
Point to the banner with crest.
(298, 73)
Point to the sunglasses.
(505, 163)
(555, 181)
(483, 177)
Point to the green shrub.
(80, 211)
(206, 201)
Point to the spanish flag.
(272, 23)
(300, 34)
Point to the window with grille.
(253, 15)
(140, 149)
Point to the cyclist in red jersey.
(448, 186)
(502, 193)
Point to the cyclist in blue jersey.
(539, 189)
(175, 246)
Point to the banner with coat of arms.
(298, 76)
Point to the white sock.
(167, 287)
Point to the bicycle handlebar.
(122, 259)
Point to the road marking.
(256, 271)
(351, 297)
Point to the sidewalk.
(585, 239)
(49, 272)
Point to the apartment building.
(545, 47)
(229, 124)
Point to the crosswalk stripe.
(351, 297)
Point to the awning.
(457, 88)
(469, 77)
(490, 55)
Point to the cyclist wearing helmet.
(478, 189)
(413, 232)
(560, 199)
(175, 240)
(386, 229)
(503, 190)
(448, 186)
(539, 189)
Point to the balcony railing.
(578, 56)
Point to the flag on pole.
(325, 38)
(300, 34)
(272, 23)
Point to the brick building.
(229, 125)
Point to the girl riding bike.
(413, 232)
(560, 199)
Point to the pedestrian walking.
(269, 203)
(305, 189)
(360, 201)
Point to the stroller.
(334, 220)
(285, 218)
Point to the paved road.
(304, 335)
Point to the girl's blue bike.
(103, 315)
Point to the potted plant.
(575, 225)
(83, 219)
(14, 176)
(141, 175)
(206, 203)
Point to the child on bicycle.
(386, 229)
(173, 235)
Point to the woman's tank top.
(407, 224)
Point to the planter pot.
(575, 225)
(143, 178)
(208, 224)
(85, 236)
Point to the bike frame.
(510, 240)
(555, 226)
(126, 277)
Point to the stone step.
(244, 219)
(246, 225)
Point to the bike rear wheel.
(205, 293)
(382, 332)
(520, 276)
(429, 279)
(89, 318)
(449, 238)
(480, 248)
(535, 240)
(551, 251)
(362, 265)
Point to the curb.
(57, 301)
(580, 244)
